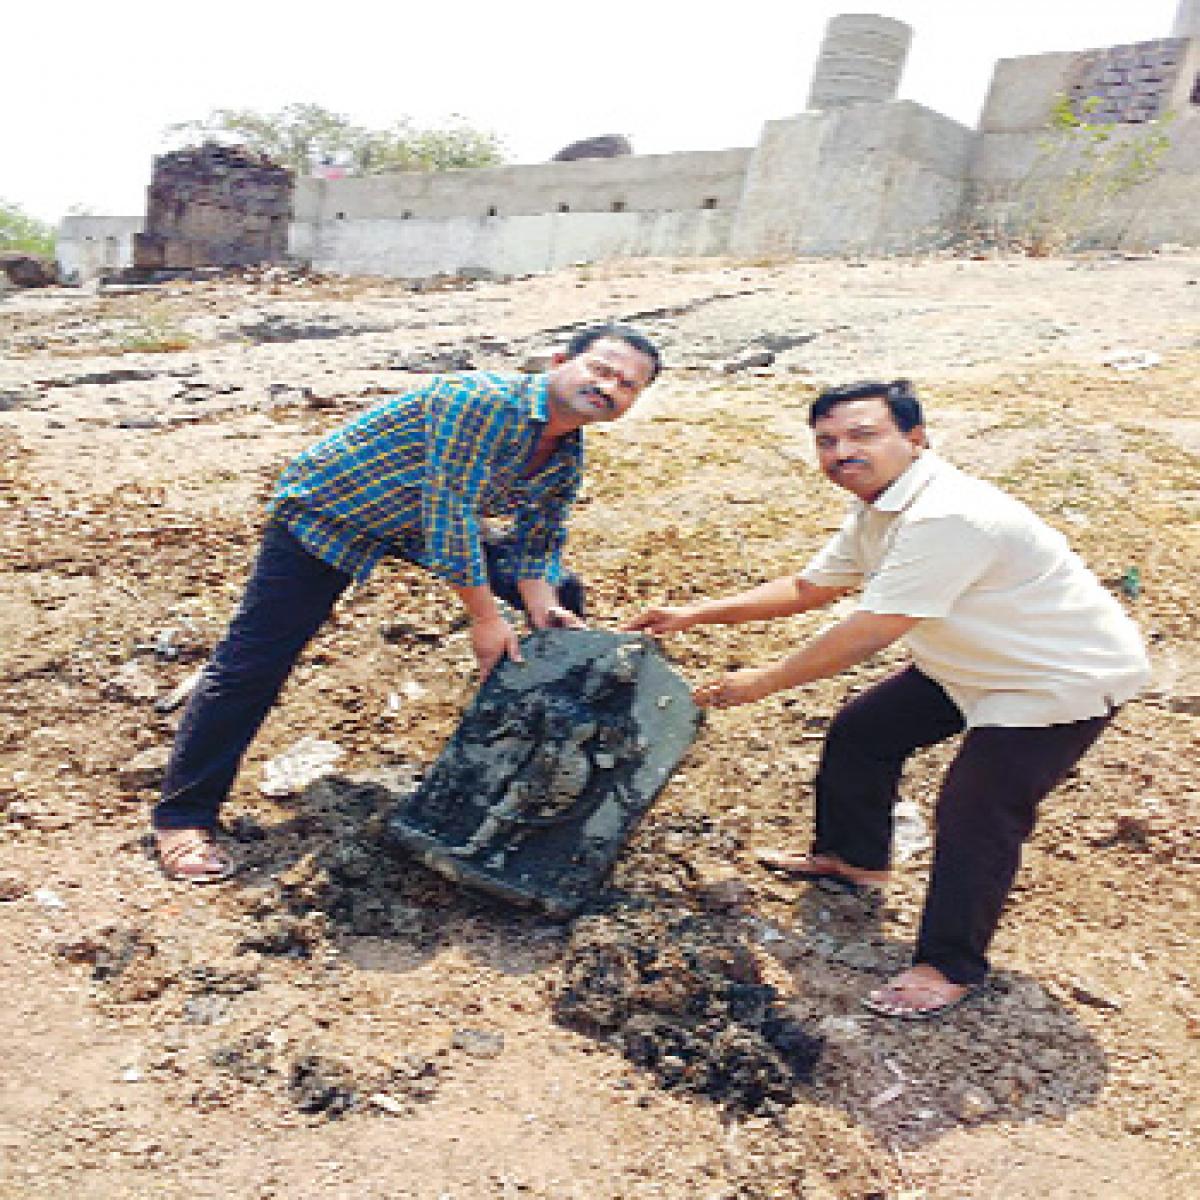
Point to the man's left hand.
(558, 617)
(738, 687)
(542, 606)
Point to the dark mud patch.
(683, 996)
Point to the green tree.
(19, 231)
(303, 136)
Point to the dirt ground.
(336, 1021)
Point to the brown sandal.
(919, 999)
(195, 859)
(811, 868)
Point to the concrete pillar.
(861, 60)
(1187, 20)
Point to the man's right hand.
(491, 639)
(657, 621)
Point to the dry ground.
(336, 1022)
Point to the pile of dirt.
(684, 997)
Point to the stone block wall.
(215, 205)
(1130, 84)
(1023, 178)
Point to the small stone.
(538, 360)
(858, 956)
(46, 898)
(751, 360)
(12, 887)
(144, 770)
(722, 891)
(132, 682)
(1133, 829)
(478, 1043)
(410, 631)
(1093, 996)
(971, 1103)
(1049, 1060)
(886, 1096)
(205, 1010)
(841, 1029)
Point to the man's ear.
(918, 437)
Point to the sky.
(85, 103)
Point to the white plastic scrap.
(1133, 360)
(298, 766)
(910, 834)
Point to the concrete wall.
(417, 248)
(643, 183)
(1187, 20)
(861, 60)
(87, 246)
(514, 220)
(871, 179)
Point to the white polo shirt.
(1013, 625)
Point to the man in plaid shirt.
(413, 477)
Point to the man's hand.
(491, 639)
(738, 687)
(558, 617)
(543, 608)
(657, 621)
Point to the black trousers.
(288, 597)
(986, 806)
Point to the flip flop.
(920, 1012)
(775, 860)
(210, 864)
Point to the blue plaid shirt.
(414, 475)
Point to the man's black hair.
(899, 396)
(619, 333)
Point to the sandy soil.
(338, 1022)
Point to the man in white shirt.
(1013, 641)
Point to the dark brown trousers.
(986, 807)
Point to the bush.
(305, 136)
(19, 231)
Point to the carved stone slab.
(551, 768)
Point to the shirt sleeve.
(467, 427)
(930, 564)
(837, 563)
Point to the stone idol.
(551, 768)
